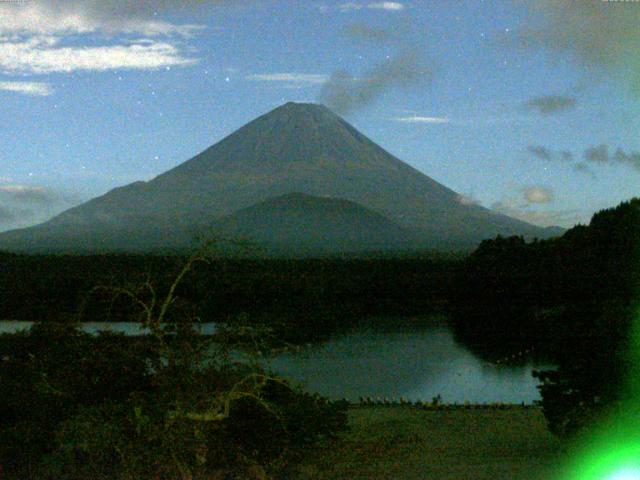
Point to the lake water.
(417, 364)
(129, 328)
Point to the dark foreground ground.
(407, 443)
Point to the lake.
(417, 364)
(129, 328)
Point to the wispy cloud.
(42, 37)
(350, 6)
(465, 122)
(391, 6)
(17, 189)
(420, 119)
(467, 200)
(41, 56)
(538, 194)
(550, 104)
(28, 88)
(533, 205)
(542, 218)
(23, 205)
(289, 77)
(361, 31)
(387, 6)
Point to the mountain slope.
(295, 148)
(300, 223)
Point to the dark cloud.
(345, 93)
(113, 9)
(543, 153)
(591, 32)
(583, 167)
(632, 158)
(550, 104)
(566, 156)
(361, 31)
(598, 154)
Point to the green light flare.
(630, 473)
(610, 459)
(611, 450)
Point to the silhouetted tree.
(571, 299)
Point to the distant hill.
(300, 223)
(302, 148)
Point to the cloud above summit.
(345, 93)
(404, 68)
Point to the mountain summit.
(297, 147)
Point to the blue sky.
(527, 108)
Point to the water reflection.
(417, 364)
(128, 328)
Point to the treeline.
(300, 298)
(512, 295)
(572, 299)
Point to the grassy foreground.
(407, 443)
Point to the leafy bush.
(170, 405)
(592, 371)
(49, 372)
(191, 428)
